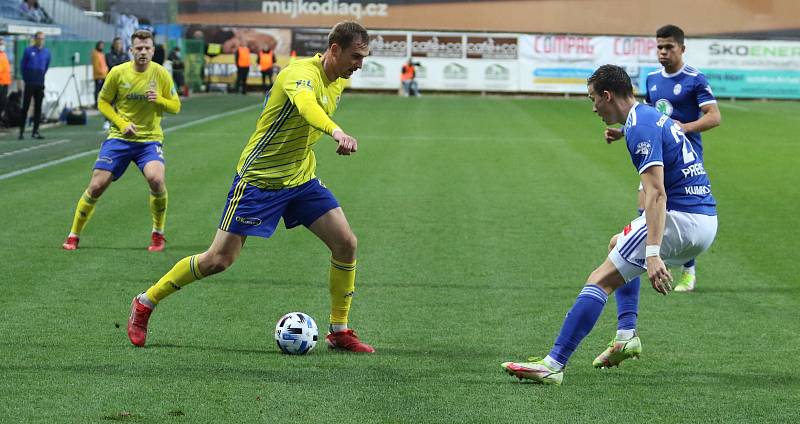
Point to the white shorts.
(686, 235)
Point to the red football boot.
(157, 243)
(71, 243)
(137, 322)
(348, 341)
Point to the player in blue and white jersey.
(682, 93)
(679, 221)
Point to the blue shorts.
(252, 211)
(116, 154)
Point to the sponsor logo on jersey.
(698, 190)
(643, 148)
(694, 170)
(664, 106)
(677, 89)
(653, 88)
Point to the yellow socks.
(158, 207)
(342, 286)
(183, 273)
(83, 212)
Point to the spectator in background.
(177, 69)
(117, 54)
(266, 62)
(99, 68)
(408, 78)
(34, 12)
(159, 53)
(5, 76)
(241, 57)
(34, 65)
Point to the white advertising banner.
(480, 62)
(563, 63)
(552, 63)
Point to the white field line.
(28, 149)
(93, 151)
(734, 106)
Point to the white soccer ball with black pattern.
(296, 333)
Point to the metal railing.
(75, 23)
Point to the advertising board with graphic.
(443, 61)
(533, 63)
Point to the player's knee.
(157, 184)
(97, 187)
(605, 280)
(346, 246)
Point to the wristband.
(652, 250)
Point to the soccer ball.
(296, 333)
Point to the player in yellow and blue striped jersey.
(275, 178)
(134, 96)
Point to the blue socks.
(579, 322)
(628, 304)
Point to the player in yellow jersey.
(133, 98)
(275, 179)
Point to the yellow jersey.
(125, 89)
(296, 114)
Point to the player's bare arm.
(711, 118)
(655, 207)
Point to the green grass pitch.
(478, 220)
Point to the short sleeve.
(644, 146)
(702, 91)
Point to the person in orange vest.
(5, 76)
(99, 68)
(408, 79)
(242, 59)
(266, 62)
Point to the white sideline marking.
(734, 106)
(93, 151)
(28, 149)
(47, 164)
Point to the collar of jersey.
(630, 121)
(666, 75)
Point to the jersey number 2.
(688, 152)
